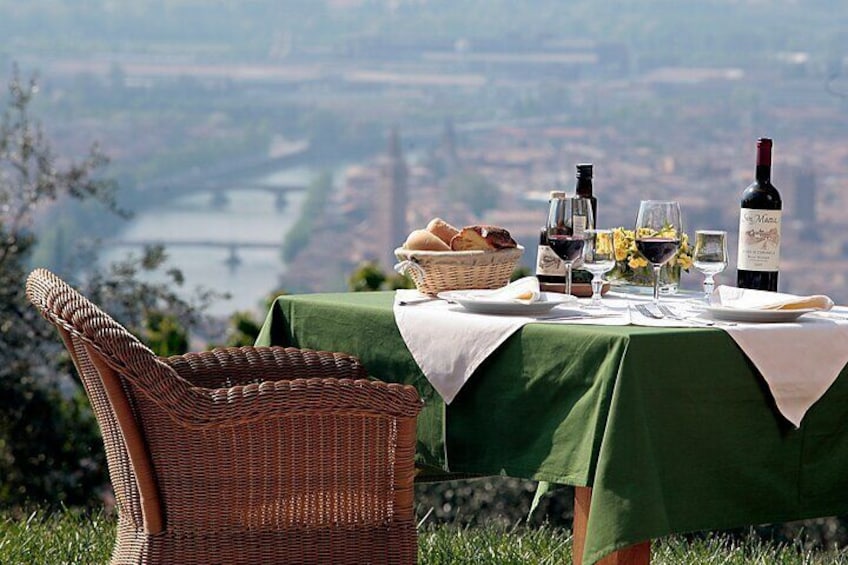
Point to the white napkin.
(524, 290)
(800, 360)
(732, 297)
(448, 343)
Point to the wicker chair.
(243, 455)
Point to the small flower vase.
(641, 280)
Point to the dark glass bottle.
(584, 189)
(759, 227)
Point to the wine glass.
(658, 229)
(568, 218)
(598, 259)
(710, 256)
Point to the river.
(249, 215)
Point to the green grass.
(61, 538)
(72, 538)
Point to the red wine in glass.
(568, 247)
(568, 219)
(658, 250)
(658, 232)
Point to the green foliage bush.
(369, 277)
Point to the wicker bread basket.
(437, 271)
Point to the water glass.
(710, 256)
(598, 259)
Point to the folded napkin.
(524, 290)
(800, 360)
(732, 297)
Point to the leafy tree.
(49, 451)
(244, 328)
(44, 431)
(151, 310)
(369, 277)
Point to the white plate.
(754, 315)
(476, 301)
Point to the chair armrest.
(253, 403)
(274, 381)
(233, 366)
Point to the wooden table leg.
(639, 554)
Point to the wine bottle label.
(548, 263)
(579, 224)
(759, 240)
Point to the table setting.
(677, 422)
(681, 411)
(451, 332)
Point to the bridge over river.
(223, 225)
(232, 260)
(228, 175)
(218, 191)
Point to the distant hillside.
(660, 32)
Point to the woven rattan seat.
(254, 455)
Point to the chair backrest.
(102, 351)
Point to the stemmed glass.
(598, 259)
(658, 229)
(710, 256)
(568, 218)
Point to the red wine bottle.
(584, 189)
(759, 227)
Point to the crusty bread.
(469, 239)
(497, 236)
(422, 240)
(442, 230)
(485, 238)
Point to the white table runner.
(799, 361)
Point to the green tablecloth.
(673, 428)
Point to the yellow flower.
(621, 241)
(605, 243)
(626, 251)
(637, 262)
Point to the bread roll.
(486, 238)
(442, 230)
(422, 240)
(470, 240)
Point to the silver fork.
(648, 313)
(673, 314)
